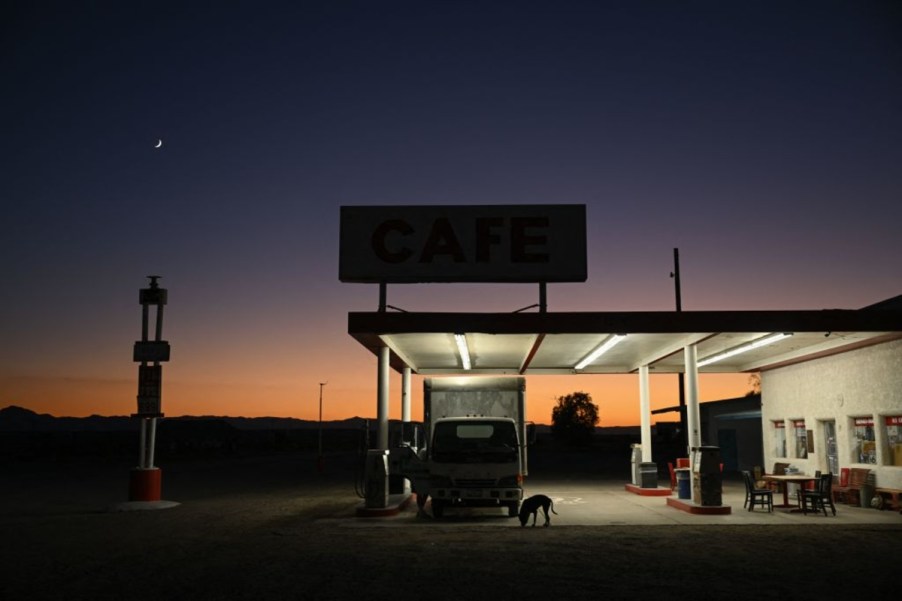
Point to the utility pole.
(675, 274)
(320, 463)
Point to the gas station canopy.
(616, 342)
(548, 243)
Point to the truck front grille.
(474, 482)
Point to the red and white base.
(145, 484)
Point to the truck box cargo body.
(476, 433)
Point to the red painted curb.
(690, 507)
(648, 492)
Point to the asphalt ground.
(273, 528)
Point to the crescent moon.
(159, 143)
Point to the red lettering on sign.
(442, 241)
(528, 240)
(521, 239)
(485, 238)
(380, 246)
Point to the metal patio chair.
(819, 498)
(756, 496)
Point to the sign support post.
(145, 480)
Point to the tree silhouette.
(573, 419)
(755, 383)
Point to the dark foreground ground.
(272, 528)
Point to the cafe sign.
(470, 243)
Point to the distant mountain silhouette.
(27, 435)
(19, 419)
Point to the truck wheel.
(438, 509)
(513, 509)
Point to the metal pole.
(153, 438)
(159, 331)
(143, 443)
(681, 379)
(319, 445)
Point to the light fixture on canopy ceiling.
(463, 350)
(770, 338)
(609, 343)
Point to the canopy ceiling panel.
(425, 351)
(563, 351)
(555, 343)
(492, 351)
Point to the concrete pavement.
(607, 503)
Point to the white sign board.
(488, 243)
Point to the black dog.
(532, 505)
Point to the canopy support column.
(406, 433)
(382, 402)
(645, 413)
(405, 404)
(692, 415)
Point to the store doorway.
(729, 454)
(830, 446)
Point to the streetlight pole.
(320, 467)
(675, 274)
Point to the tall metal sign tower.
(145, 481)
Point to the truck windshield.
(475, 442)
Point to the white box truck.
(476, 442)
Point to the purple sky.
(764, 139)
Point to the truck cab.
(475, 461)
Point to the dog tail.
(551, 507)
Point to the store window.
(864, 447)
(893, 425)
(801, 438)
(779, 439)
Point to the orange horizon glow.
(617, 396)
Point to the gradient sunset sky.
(763, 139)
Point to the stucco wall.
(861, 383)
